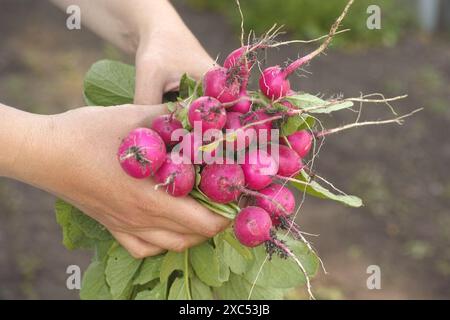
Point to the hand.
(73, 155)
(154, 32)
(167, 49)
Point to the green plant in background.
(306, 19)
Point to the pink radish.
(236, 59)
(253, 226)
(219, 83)
(141, 153)
(289, 162)
(208, 112)
(259, 168)
(243, 136)
(301, 142)
(273, 81)
(179, 179)
(282, 202)
(190, 147)
(262, 125)
(243, 105)
(165, 125)
(222, 183)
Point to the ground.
(400, 172)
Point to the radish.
(244, 137)
(236, 59)
(165, 125)
(289, 162)
(279, 202)
(219, 83)
(253, 226)
(273, 82)
(208, 112)
(179, 179)
(243, 105)
(235, 62)
(300, 141)
(141, 153)
(262, 125)
(222, 183)
(282, 203)
(190, 147)
(259, 168)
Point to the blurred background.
(401, 172)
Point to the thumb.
(150, 79)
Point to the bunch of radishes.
(231, 133)
(224, 144)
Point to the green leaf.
(206, 264)
(172, 261)
(238, 288)
(331, 107)
(120, 270)
(94, 286)
(296, 123)
(109, 83)
(232, 241)
(279, 272)
(224, 269)
(229, 256)
(87, 101)
(290, 125)
(311, 103)
(199, 290)
(308, 123)
(149, 270)
(316, 190)
(225, 210)
(157, 293)
(178, 290)
(236, 262)
(198, 176)
(305, 100)
(190, 88)
(102, 248)
(171, 106)
(79, 230)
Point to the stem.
(254, 100)
(292, 180)
(261, 122)
(285, 139)
(376, 100)
(225, 136)
(263, 196)
(242, 22)
(297, 63)
(290, 225)
(186, 274)
(278, 44)
(398, 120)
(286, 250)
(168, 181)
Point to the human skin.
(73, 155)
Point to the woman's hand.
(73, 155)
(152, 31)
(167, 49)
